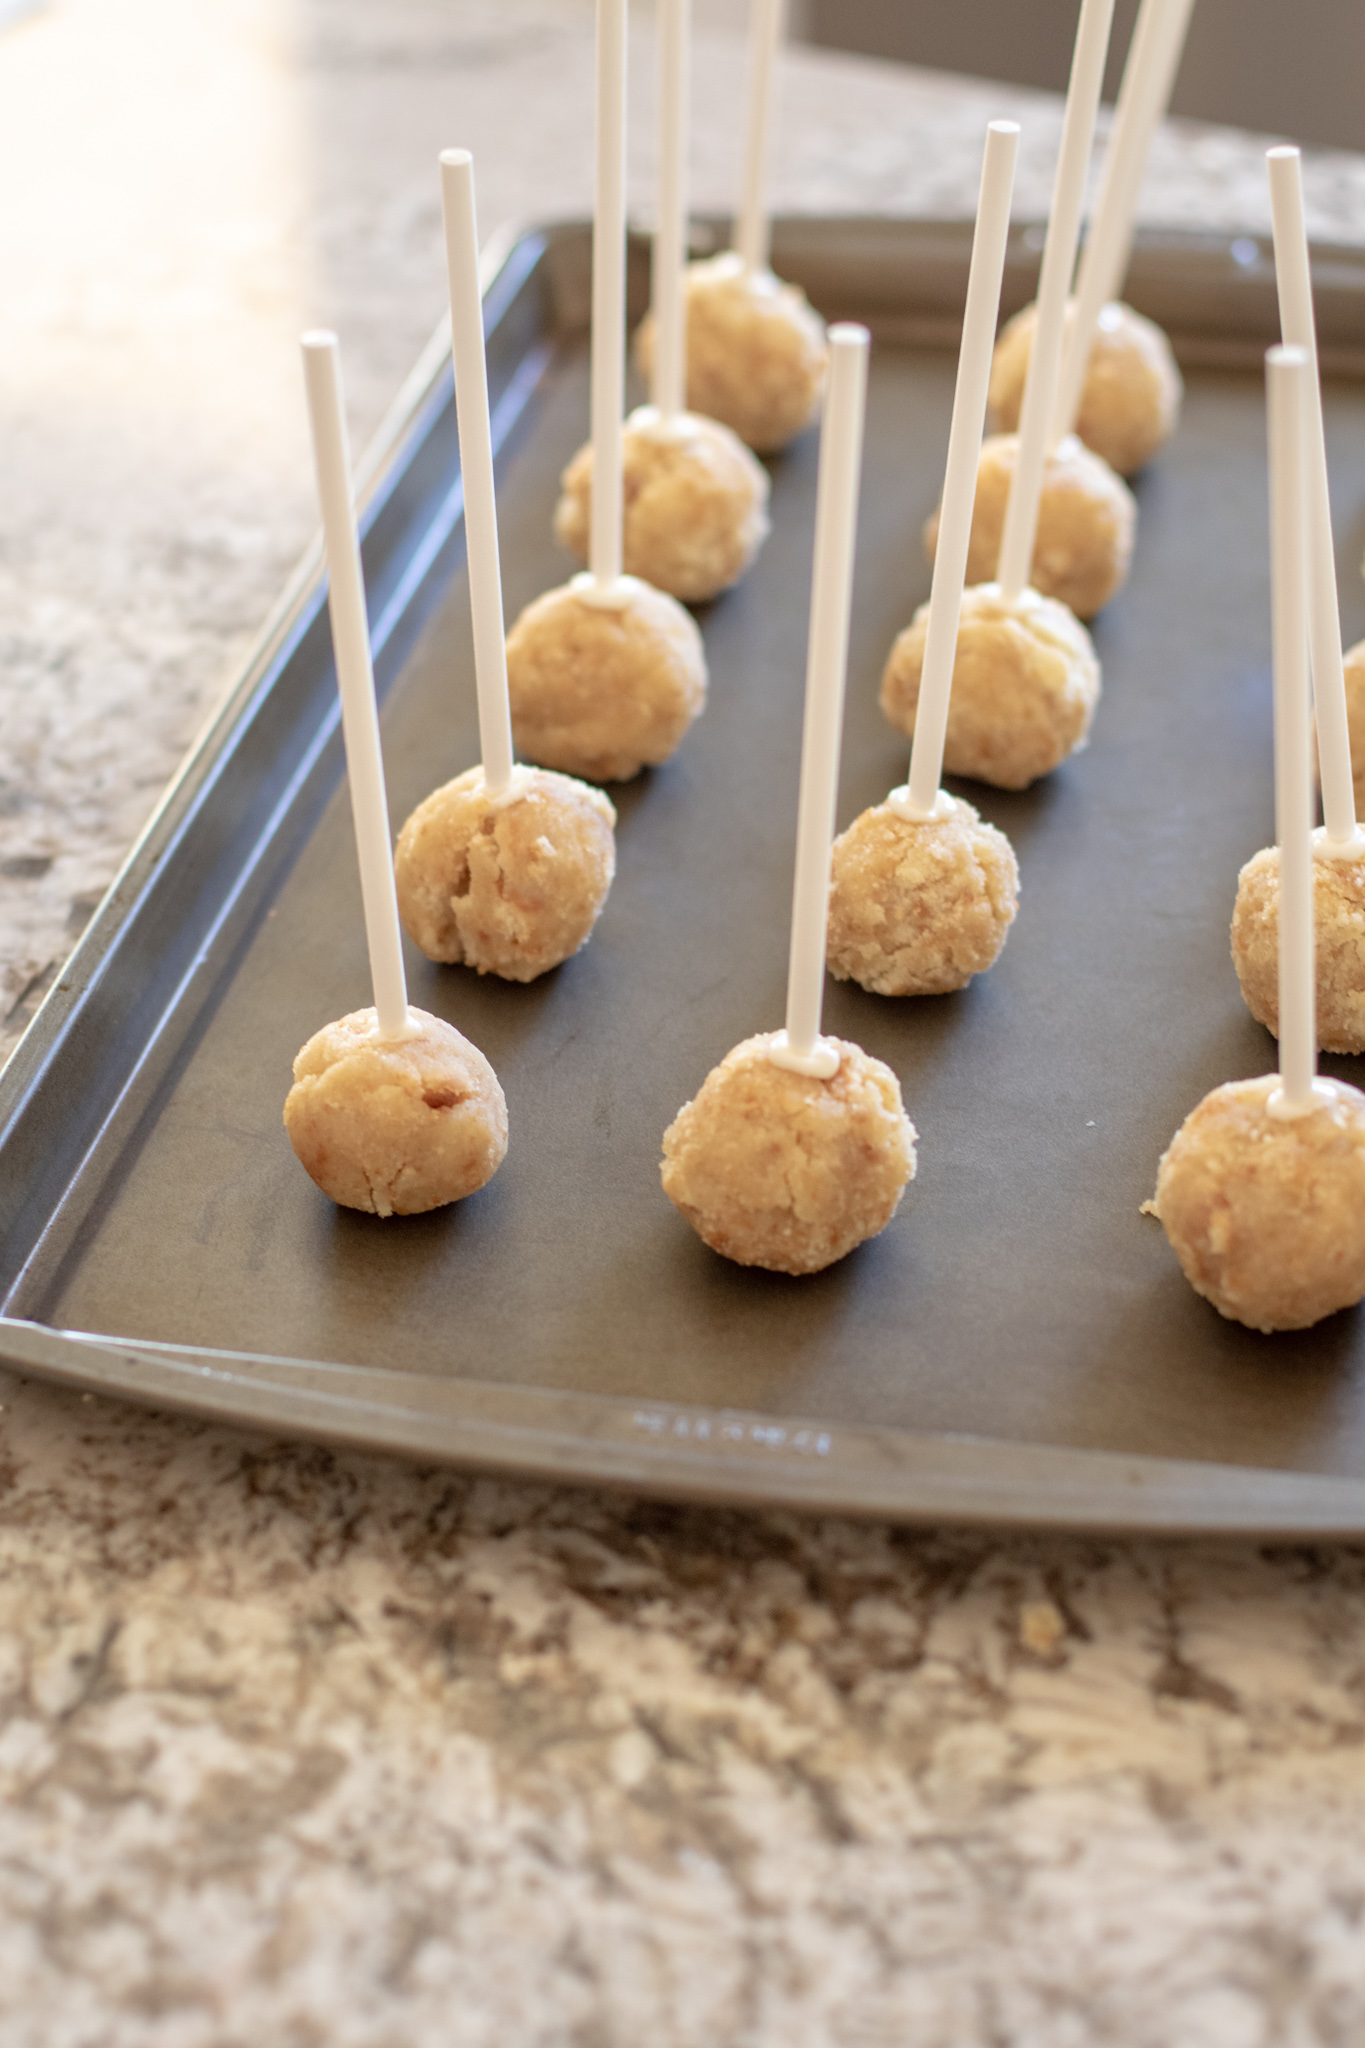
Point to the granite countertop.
(302, 1747)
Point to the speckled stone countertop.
(306, 1749)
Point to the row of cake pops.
(506, 868)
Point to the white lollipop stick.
(836, 519)
(1148, 75)
(1324, 618)
(964, 455)
(355, 681)
(753, 228)
(476, 468)
(608, 294)
(669, 390)
(1287, 376)
(1059, 260)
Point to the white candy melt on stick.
(1148, 75)
(1288, 373)
(753, 229)
(836, 516)
(476, 467)
(355, 681)
(1297, 325)
(608, 294)
(920, 798)
(1059, 257)
(669, 387)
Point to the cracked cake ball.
(916, 908)
(1026, 681)
(1338, 939)
(696, 504)
(604, 681)
(1267, 1214)
(756, 354)
(777, 1169)
(1086, 520)
(1353, 663)
(1131, 397)
(395, 1125)
(511, 884)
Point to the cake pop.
(1261, 1192)
(1267, 1217)
(922, 892)
(1339, 942)
(1339, 848)
(606, 672)
(1119, 387)
(695, 497)
(395, 1125)
(1130, 400)
(392, 1110)
(506, 868)
(1353, 679)
(756, 354)
(509, 884)
(797, 1147)
(1087, 517)
(1048, 513)
(1025, 684)
(789, 1170)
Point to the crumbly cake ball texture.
(604, 690)
(1086, 520)
(510, 885)
(1026, 681)
(1267, 1216)
(1339, 937)
(756, 353)
(1131, 398)
(777, 1169)
(1354, 663)
(395, 1126)
(916, 909)
(696, 504)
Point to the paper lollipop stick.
(476, 467)
(964, 452)
(1148, 75)
(1288, 372)
(1059, 257)
(1324, 618)
(753, 229)
(608, 294)
(669, 385)
(836, 518)
(355, 681)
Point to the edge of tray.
(726, 1457)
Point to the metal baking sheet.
(1019, 1346)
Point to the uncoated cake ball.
(916, 909)
(1131, 397)
(1267, 1216)
(696, 504)
(604, 689)
(395, 1126)
(777, 1169)
(1026, 681)
(512, 884)
(1339, 943)
(1354, 664)
(1086, 520)
(756, 354)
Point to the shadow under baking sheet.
(1019, 1294)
